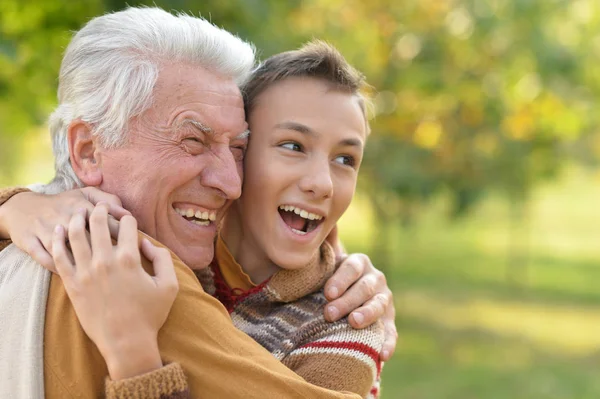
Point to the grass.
(491, 310)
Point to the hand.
(119, 305)
(29, 218)
(358, 287)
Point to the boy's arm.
(5, 195)
(167, 382)
(342, 359)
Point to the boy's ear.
(83, 153)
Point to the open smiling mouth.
(199, 218)
(300, 221)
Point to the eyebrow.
(300, 128)
(208, 130)
(243, 135)
(198, 125)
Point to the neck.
(244, 248)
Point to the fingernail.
(333, 312)
(333, 292)
(385, 354)
(358, 318)
(58, 228)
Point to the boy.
(307, 116)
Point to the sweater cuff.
(168, 382)
(8, 193)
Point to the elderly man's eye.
(193, 145)
(238, 152)
(194, 139)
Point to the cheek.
(343, 194)
(256, 170)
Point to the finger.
(64, 266)
(357, 295)
(78, 239)
(115, 207)
(371, 311)
(45, 228)
(128, 240)
(391, 334)
(113, 227)
(40, 253)
(164, 272)
(350, 270)
(100, 234)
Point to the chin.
(199, 258)
(292, 261)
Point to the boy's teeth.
(201, 222)
(299, 232)
(301, 212)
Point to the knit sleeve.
(167, 382)
(341, 359)
(5, 195)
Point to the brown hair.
(316, 59)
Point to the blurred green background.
(480, 192)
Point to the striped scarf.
(285, 315)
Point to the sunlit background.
(480, 193)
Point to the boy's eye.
(292, 146)
(345, 160)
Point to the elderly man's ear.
(84, 153)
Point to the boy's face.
(300, 168)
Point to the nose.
(223, 173)
(317, 181)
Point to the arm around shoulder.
(5, 195)
(344, 359)
(219, 360)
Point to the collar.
(231, 270)
(284, 285)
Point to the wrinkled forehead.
(184, 93)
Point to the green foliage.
(471, 96)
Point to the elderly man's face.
(183, 164)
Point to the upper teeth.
(212, 215)
(304, 214)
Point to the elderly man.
(129, 83)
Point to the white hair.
(110, 68)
